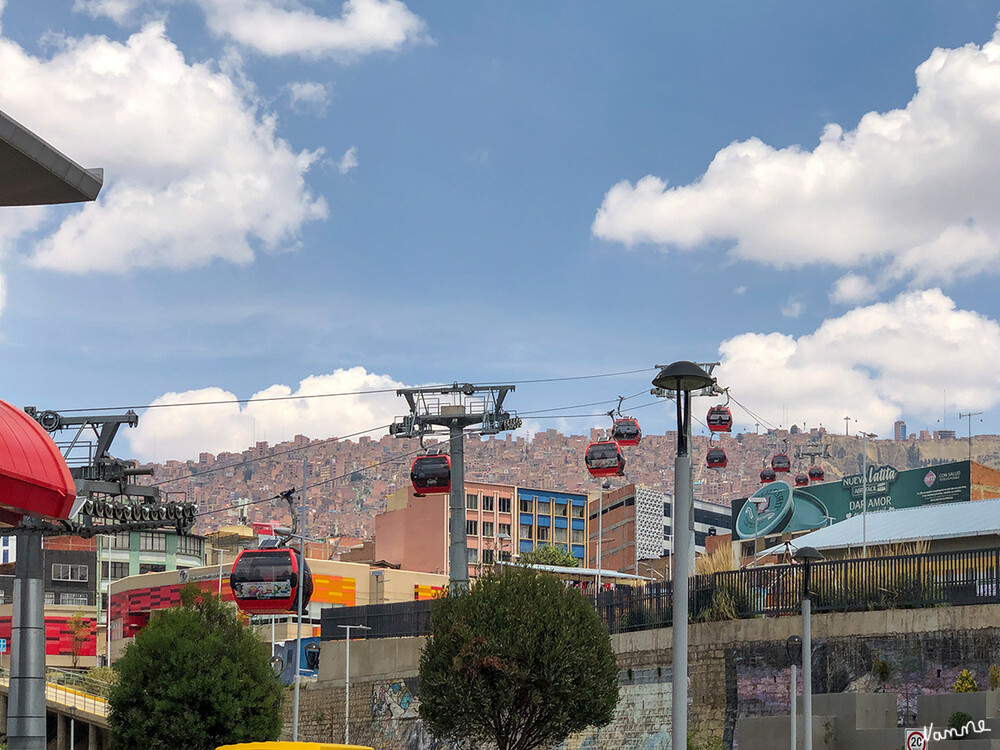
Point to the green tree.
(194, 678)
(521, 661)
(548, 554)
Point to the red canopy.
(34, 477)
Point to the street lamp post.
(864, 491)
(347, 679)
(682, 378)
(807, 556)
(794, 646)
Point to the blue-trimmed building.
(552, 517)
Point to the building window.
(472, 502)
(470, 528)
(488, 556)
(487, 502)
(503, 528)
(117, 570)
(526, 505)
(150, 541)
(560, 535)
(473, 555)
(65, 572)
(151, 568)
(561, 509)
(189, 545)
(525, 532)
(487, 528)
(503, 504)
(76, 600)
(50, 597)
(577, 536)
(543, 533)
(116, 541)
(543, 507)
(578, 511)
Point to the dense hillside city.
(350, 481)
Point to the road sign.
(914, 739)
(3, 645)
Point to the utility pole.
(847, 425)
(969, 416)
(469, 404)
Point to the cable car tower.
(454, 408)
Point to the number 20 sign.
(915, 739)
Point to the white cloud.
(119, 11)
(194, 170)
(852, 289)
(184, 432)
(792, 308)
(308, 96)
(912, 192)
(271, 28)
(349, 161)
(741, 289)
(3, 291)
(873, 363)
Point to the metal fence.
(396, 620)
(897, 582)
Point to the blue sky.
(310, 197)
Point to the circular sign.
(766, 511)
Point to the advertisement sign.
(779, 507)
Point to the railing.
(898, 582)
(77, 694)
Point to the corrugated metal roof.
(944, 521)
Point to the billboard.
(778, 507)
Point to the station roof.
(33, 173)
(930, 522)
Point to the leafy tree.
(195, 677)
(519, 662)
(80, 632)
(549, 554)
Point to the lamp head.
(683, 376)
(807, 555)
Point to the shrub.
(965, 683)
(994, 677)
(957, 721)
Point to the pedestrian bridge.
(76, 719)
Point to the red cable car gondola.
(626, 431)
(801, 479)
(767, 475)
(816, 473)
(267, 581)
(605, 459)
(716, 458)
(431, 474)
(719, 419)
(781, 462)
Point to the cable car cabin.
(431, 474)
(801, 479)
(626, 431)
(781, 462)
(719, 419)
(816, 473)
(605, 459)
(767, 475)
(716, 458)
(267, 581)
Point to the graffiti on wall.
(396, 699)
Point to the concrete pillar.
(92, 738)
(62, 732)
(26, 708)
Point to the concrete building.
(899, 430)
(413, 532)
(637, 525)
(549, 517)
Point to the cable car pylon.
(462, 405)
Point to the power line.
(373, 391)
